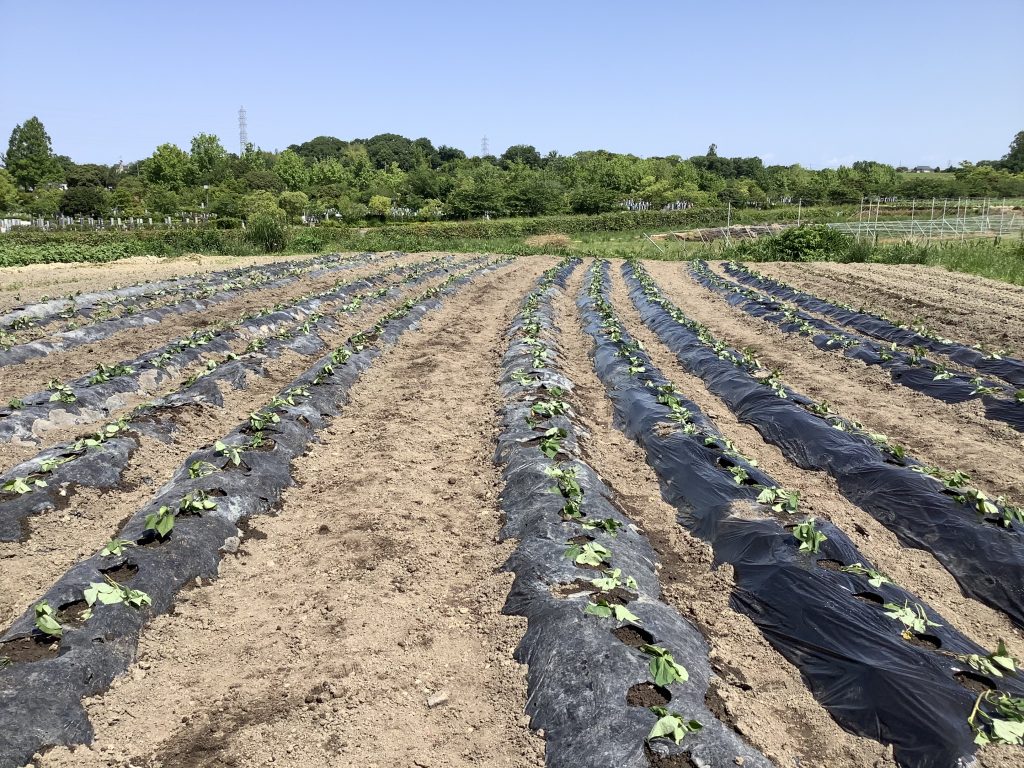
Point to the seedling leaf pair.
(605, 610)
(671, 726)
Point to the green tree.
(85, 200)
(1013, 161)
(293, 203)
(521, 153)
(169, 166)
(29, 157)
(292, 170)
(44, 202)
(209, 158)
(8, 191)
(379, 205)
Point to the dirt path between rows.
(965, 308)
(33, 375)
(760, 694)
(914, 569)
(950, 436)
(373, 589)
(57, 539)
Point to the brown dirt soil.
(913, 569)
(77, 361)
(950, 436)
(965, 308)
(57, 539)
(375, 586)
(27, 284)
(764, 696)
(545, 241)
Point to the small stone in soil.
(437, 699)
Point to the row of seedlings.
(880, 660)
(89, 334)
(94, 396)
(85, 305)
(909, 368)
(616, 677)
(980, 541)
(84, 631)
(990, 363)
(50, 479)
(78, 310)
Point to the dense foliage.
(390, 177)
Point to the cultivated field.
(467, 510)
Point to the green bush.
(267, 232)
(228, 222)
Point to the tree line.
(391, 177)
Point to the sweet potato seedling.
(809, 536)
(196, 502)
(109, 592)
(671, 725)
(199, 469)
(914, 620)
(609, 525)
(46, 619)
(780, 499)
(590, 553)
(875, 578)
(232, 453)
(613, 578)
(663, 668)
(551, 445)
(605, 610)
(1005, 725)
(21, 485)
(160, 522)
(995, 664)
(115, 547)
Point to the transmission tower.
(484, 147)
(243, 133)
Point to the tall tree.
(169, 166)
(210, 158)
(8, 191)
(292, 170)
(29, 157)
(1013, 161)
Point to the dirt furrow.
(372, 590)
(913, 569)
(56, 539)
(949, 303)
(762, 695)
(950, 436)
(33, 375)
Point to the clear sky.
(817, 82)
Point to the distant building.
(922, 169)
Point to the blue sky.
(819, 83)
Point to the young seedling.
(977, 499)
(914, 620)
(46, 620)
(107, 372)
(48, 465)
(809, 536)
(260, 419)
(780, 499)
(609, 525)
(671, 726)
(590, 553)
(569, 487)
(115, 547)
(232, 453)
(16, 403)
(545, 409)
(21, 485)
(664, 669)
(61, 392)
(551, 445)
(1006, 726)
(605, 610)
(941, 374)
(994, 664)
(739, 474)
(875, 578)
(522, 378)
(110, 592)
(613, 578)
(160, 522)
(199, 469)
(196, 502)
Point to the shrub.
(228, 222)
(267, 232)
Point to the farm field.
(472, 510)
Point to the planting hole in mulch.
(633, 636)
(974, 682)
(658, 760)
(149, 539)
(122, 573)
(618, 596)
(71, 613)
(830, 565)
(869, 597)
(573, 588)
(648, 695)
(28, 649)
(581, 539)
(931, 642)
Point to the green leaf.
(46, 619)
(671, 726)
(664, 669)
(600, 609)
(115, 547)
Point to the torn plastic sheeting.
(579, 673)
(1006, 368)
(986, 560)
(848, 651)
(88, 334)
(920, 377)
(40, 702)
